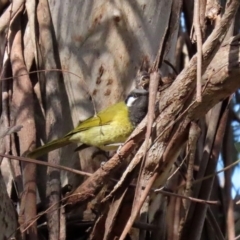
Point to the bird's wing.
(89, 123)
(104, 117)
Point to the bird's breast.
(116, 131)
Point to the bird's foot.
(102, 164)
(119, 149)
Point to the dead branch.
(200, 211)
(227, 151)
(194, 134)
(22, 113)
(30, 160)
(188, 198)
(198, 33)
(54, 111)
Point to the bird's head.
(137, 103)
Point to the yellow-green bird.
(108, 129)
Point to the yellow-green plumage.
(110, 126)
(104, 129)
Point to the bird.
(107, 130)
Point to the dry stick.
(5, 109)
(6, 96)
(154, 81)
(113, 213)
(131, 166)
(179, 117)
(10, 130)
(193, 137)
(194, 134)
(141, 200)
(210, 136)
(228, 156)
(30, 160)
(188, 198)
(8, 28)
(31, 12)
(214, 174)
(31, 221)
(177, 169)
(199, 48)
(205, 192)
(168, 155)
(63, 227)
(22, 104)
(5, 88)
(153, 88)
(54, 112)
(214, 224)
(220, 31)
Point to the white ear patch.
(130, 101)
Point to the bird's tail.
(55, 144)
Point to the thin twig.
(10, 130)
(177, 169)
(140, 203)
(171, 65)
(214, 174)
(24, 159)
(188, 198)
(193, 137)
(57, 70)
(199, 48)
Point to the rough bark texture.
(22, 113)
(8, 215)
